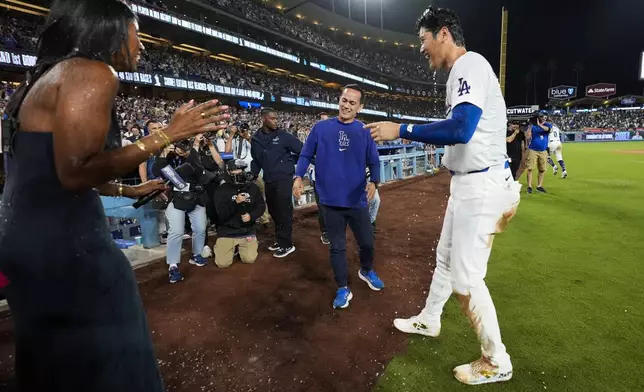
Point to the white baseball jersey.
(554, 135)
(473, 80)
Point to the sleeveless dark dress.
(79, 320)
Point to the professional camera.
(236, 172)
(242, 128)
(538, 116)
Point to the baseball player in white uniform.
(484, 196)
(554, 146)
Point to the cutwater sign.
(522, 110)
(601, 90)
(562, 92)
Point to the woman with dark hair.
(79, 320)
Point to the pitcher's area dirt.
(270, 326)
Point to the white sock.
(173, 265)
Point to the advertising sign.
(562, 92)
(522, 110)
(601, 90)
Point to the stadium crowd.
(17, 34)
(380, 60)
(603, 118)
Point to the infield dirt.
(270, 326)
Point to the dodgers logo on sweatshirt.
(343, 141)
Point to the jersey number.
(464, 88)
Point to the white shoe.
(206, 252)
(482, 371)
(564, 174)
(555, 169)
(413, 325)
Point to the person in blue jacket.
(275, 152)
(343, 150)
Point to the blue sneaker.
(198, 261)
(342, 298)
(530, 190)
(372, 280)
(175, 275)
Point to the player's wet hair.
(92, 29)
(358, 89)
(434, 19)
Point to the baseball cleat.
(555, 170)
(414, 325)
(564, 174)
(372, 280)
(342, 298)
(482, 371)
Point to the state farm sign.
(601, 90)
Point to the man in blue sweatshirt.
(342, 150)
(275, 152)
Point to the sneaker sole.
(502, 378)
(197, 264)
(176, 281)
(372, 287)
(285, 254)
(415, 331)
(346, 305)
(324, 242)
(273, 249)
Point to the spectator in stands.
(239, 204)
(342, 150)
(274, 152)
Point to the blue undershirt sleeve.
(457, 130)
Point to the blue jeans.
(374, 205)
(177, 227)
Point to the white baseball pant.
(480, 206)
(556, 148)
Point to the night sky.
(605, 37)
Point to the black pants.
(336, 224)
(514, 165)
(280, 206)
(321, 219)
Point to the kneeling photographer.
(192, 201)
(239, 204)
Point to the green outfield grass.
(566, 279)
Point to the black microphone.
(174, 177)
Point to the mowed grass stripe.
(566, 280)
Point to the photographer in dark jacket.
(239, 204)
(192, 201)
(275, 152)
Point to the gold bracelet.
(120, 190)
(165, 138)
(140, 145)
